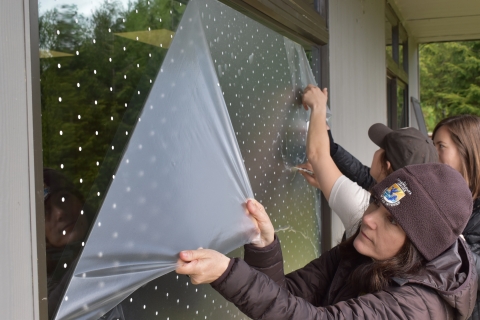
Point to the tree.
(92, 97)
(449, 80)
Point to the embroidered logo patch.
(391, 196)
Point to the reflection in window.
(98, 65)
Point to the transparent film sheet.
(181, 184)
(263, 96)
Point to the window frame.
(22, 107)
(397, 71)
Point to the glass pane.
(402, 45)
(388, 38)
(401, 107)
(98, 67)
(97, 63)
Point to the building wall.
(23, 294)
(357, 77)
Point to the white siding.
(23, 293)
(357, 77)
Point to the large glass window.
(396, 42)
(99, 67)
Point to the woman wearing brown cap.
(405, 261)
(397, 149)
(457, 140)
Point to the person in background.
(457, 141)
(398, 148)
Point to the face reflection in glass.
(64, 222)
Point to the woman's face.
(447, 149)
(376, 169)
(380, 236)
(64, 222)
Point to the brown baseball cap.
(431, 202)
(403, 146)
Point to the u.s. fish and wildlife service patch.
(392, 195)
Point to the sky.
(85, 7)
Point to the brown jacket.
(445, 289)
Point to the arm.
(318, 147)
(349, 201)
(352, 168)
(259, 297)
(348, 165)
(471, 234)
(310, 283)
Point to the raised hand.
(315, 98)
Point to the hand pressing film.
(303, 170)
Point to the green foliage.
(103, 85)
(449, 80)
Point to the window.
(100, 66)
(396, 41)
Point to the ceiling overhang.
(440, 20)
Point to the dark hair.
(54, 181)
(372, 275)
(465, 133)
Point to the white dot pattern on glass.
(271, 130)
(260, 84)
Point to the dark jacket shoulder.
(446, 289)
(352, 168)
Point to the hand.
(310, 178)
(202, 265)
(263, 223)
(315, 98)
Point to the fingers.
(188, 260)
(310, 179)
(202, 265)
(310, 87)
(184, 267)
(305, 165)
(256, 209)
(314, 97)
(190, 255)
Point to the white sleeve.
(349, 201)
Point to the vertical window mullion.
(395, 44)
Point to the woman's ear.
(388, 167)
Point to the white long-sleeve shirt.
(349, 201)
